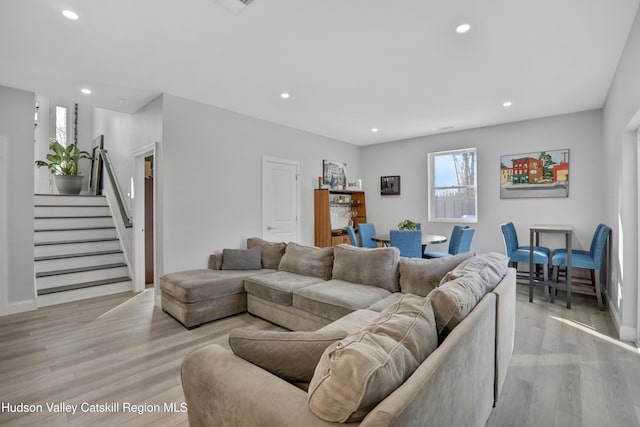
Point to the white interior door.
(280, 196)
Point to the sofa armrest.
(215, 261)
(505, 327)
(222, 389)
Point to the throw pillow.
(292, 356)
(241, 259)
(420, 276)
(453, 300)
(307, 260)
(272, 252)
(355, 374)
(367, 266)
(491, 267)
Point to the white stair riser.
(62, 235)
(55, 223)
(78, 294)
(55, 211)
(76, 248)
(76, 262)
(69, 200)
(85, 276)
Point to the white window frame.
(433, 188)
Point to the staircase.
(77, 251)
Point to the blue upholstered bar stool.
(352, 235)
(367, 230)
(408, 241)
(591, 260)
(517, 253)
(460, 242)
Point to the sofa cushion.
(198, 285)
(270, 252)
(367, 266)
(453, 300)
(278, 286)
(241, 259)
(491, 267)
(353, 321)
(358, 372)
(307, 260)
(336, 298)
(378, 306)
(292, 356)
(420, 276)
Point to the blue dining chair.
(591, 260)
(352, 235)
(517, 253)
(455, 243)
(366, 230)
(408, 241)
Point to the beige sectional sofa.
(331, 296)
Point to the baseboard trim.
(625, 333)
(21, 306)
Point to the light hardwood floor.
(567, 370)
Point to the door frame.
(3, 227)
(138, 219)
(298, 165)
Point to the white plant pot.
(68, 184)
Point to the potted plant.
(63, 165)
(407, 224)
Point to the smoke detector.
(234, 6)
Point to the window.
(61, 125)
(453, 195)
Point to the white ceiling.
(350, 65)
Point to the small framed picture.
(390, 185)
(355, 185)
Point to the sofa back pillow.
(491, 267)
(453, 301)
(420, 276)
(241, 259)
(307, 260)
(292, 356)
(361, 370)
(367, 266)
(271, 252)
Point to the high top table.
(534, 240)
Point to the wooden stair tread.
(80, 269)
(83, 285)
(78, 255)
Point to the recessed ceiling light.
(463, 28)
(507, 104)
(69, 14)
(285, 95)
(86, 91)
(374, 130)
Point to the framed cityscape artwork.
(535, 174)
(390, 185)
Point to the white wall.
(581, 133)
(123, 134)
(622, 104)
(211, 177)
(17, 126)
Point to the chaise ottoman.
(195, 297)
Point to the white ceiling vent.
(234, 6)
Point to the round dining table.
(427, 239)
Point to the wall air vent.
(234, 6)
